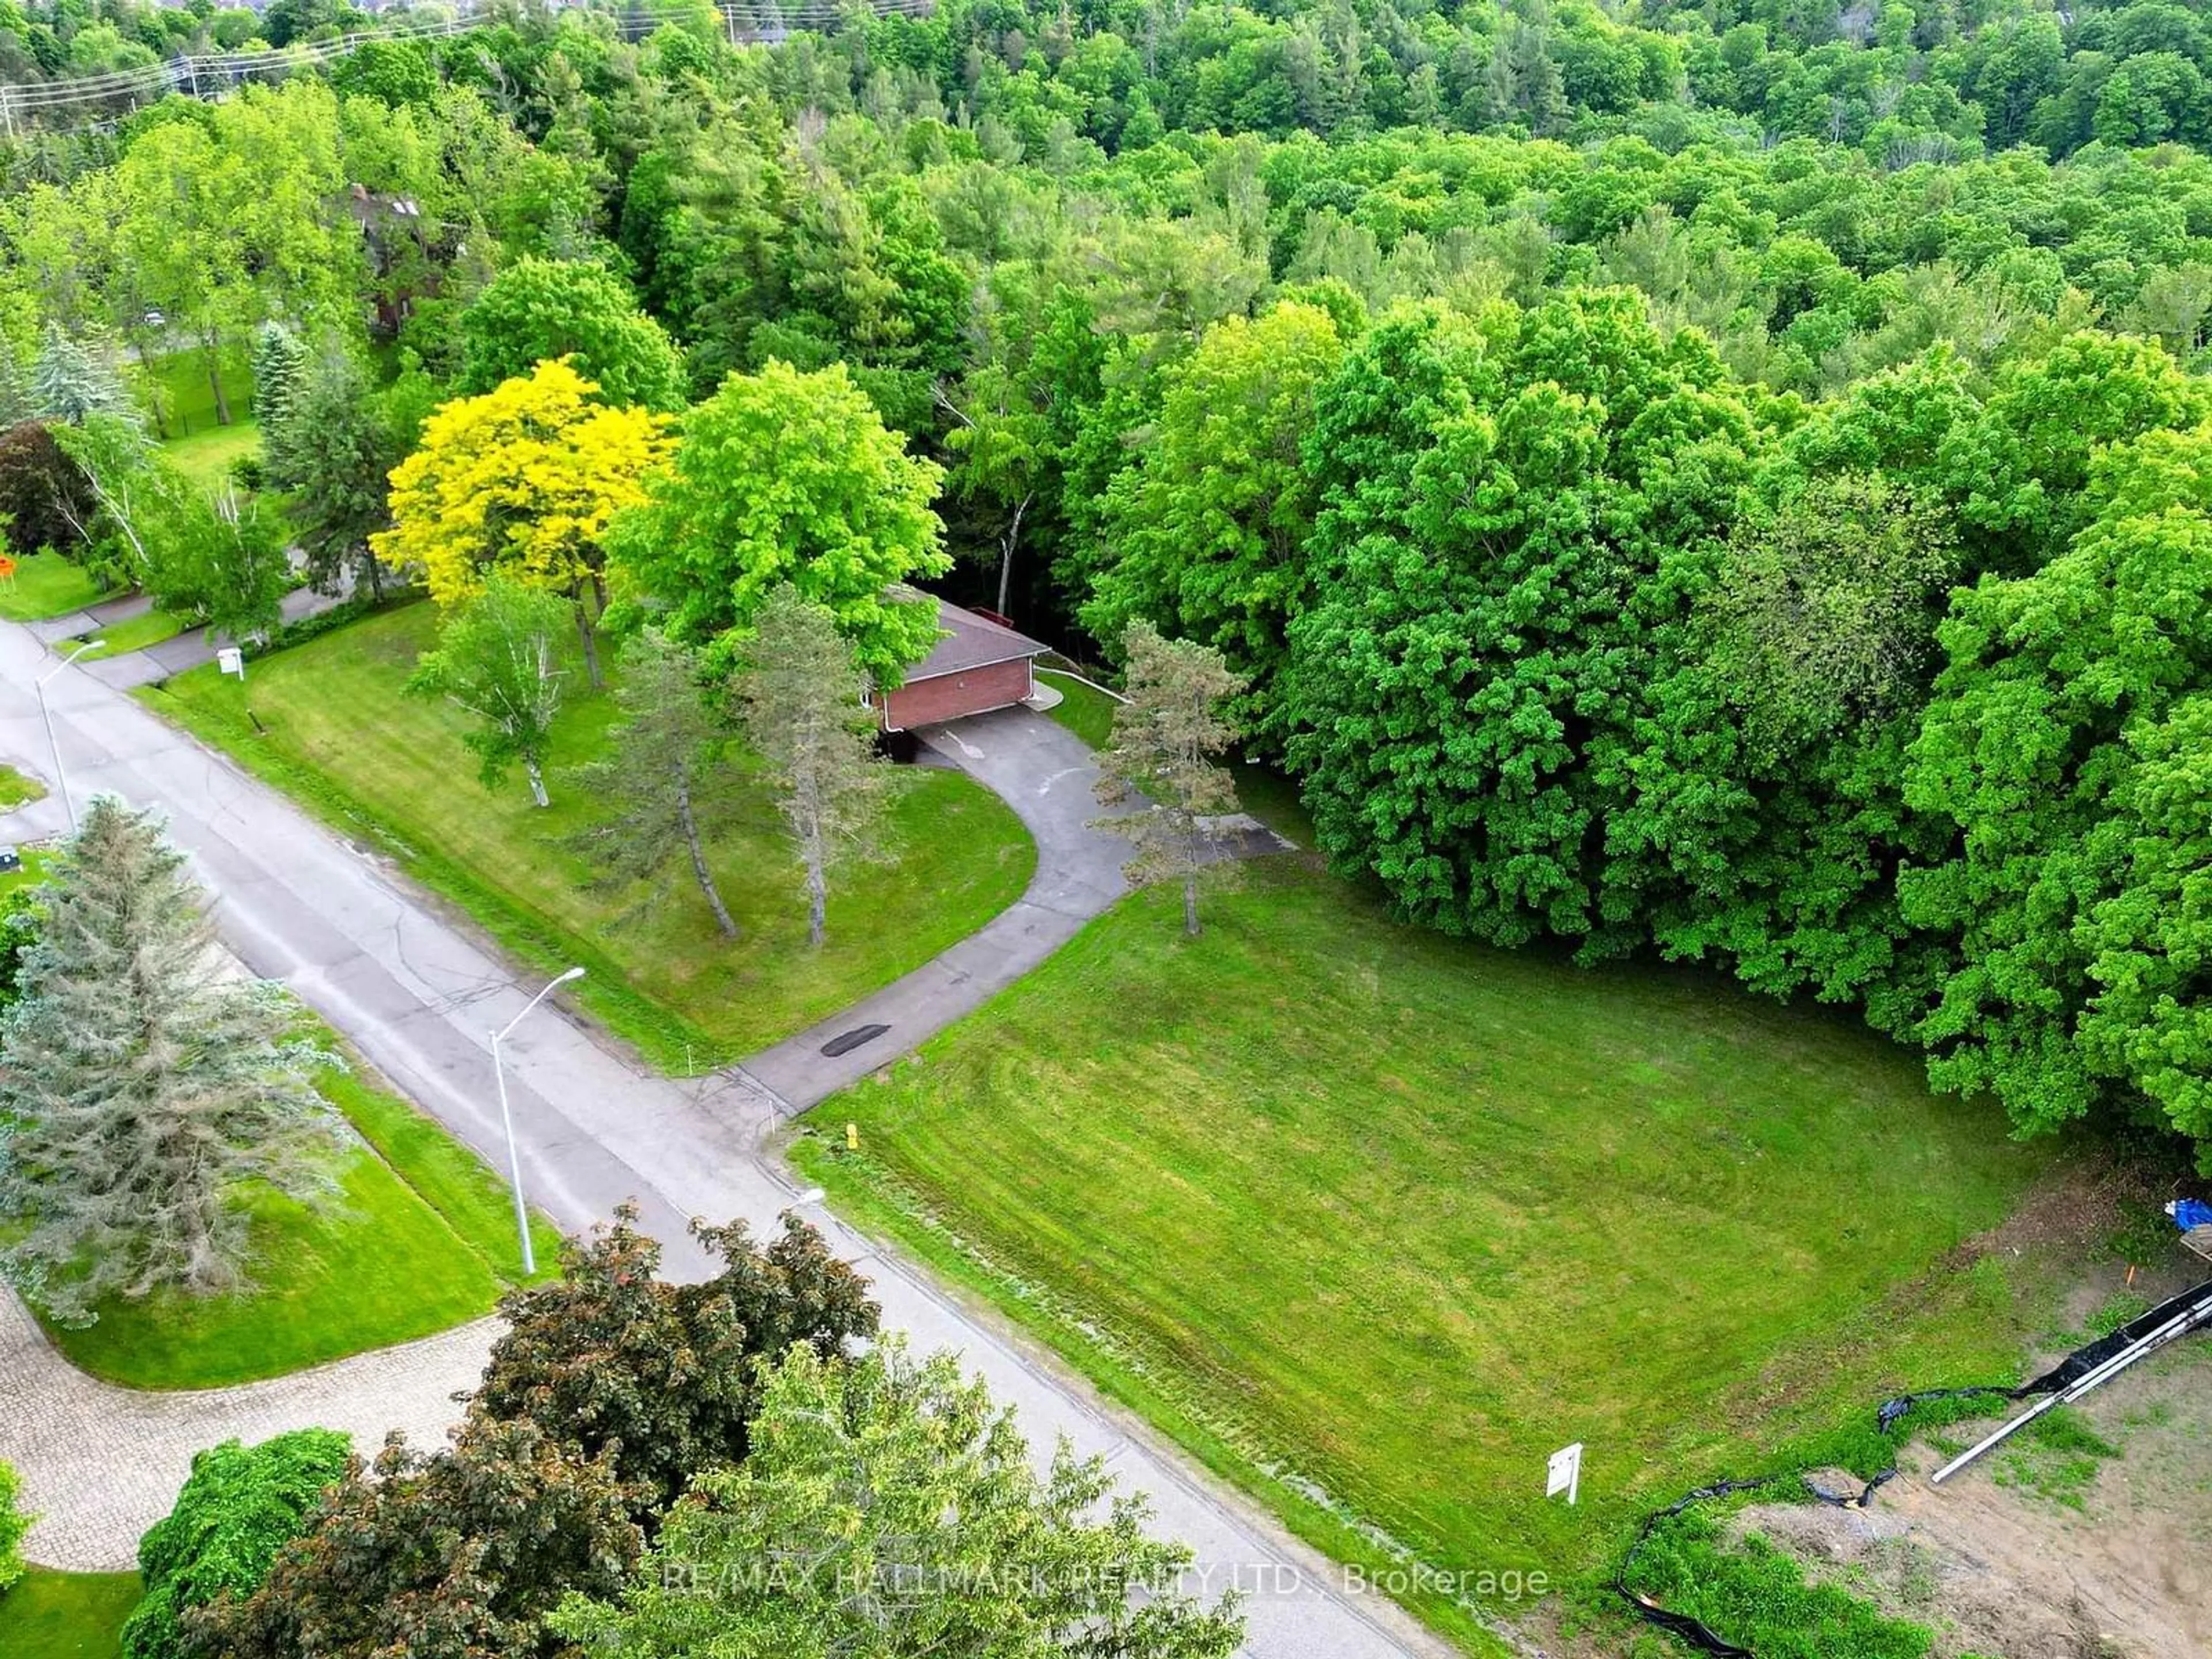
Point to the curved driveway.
(419, 995)
(1045, 772)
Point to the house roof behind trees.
(971, 641)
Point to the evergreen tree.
(660, 774)
(331, 452)
(68, 383)
(1161, 759)
(19, 931)
(796, 694)
(279, 362)
(14, 394)
(138, 1088)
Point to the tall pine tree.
(796, 700)
(138, 1088)
(663, 774)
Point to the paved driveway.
(64, 1426)
(1045, 772)
(418, 994)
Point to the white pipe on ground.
(2180, 1325)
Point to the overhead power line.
(215, 75)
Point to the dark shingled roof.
(971, 641)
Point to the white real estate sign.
(1565, 1473)
(229, 659)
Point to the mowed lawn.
(66, 1615)
(1341, 1202)
(419, 1238)
(47, 584)
(147, 627)
(178, 381)
(206, 455)
(334, 727)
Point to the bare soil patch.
(2010, 1561)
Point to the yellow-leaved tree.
(525, 479)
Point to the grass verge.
(147, 627)
(420, 1238)
(66, 1615)
(18, 789)
(327, 722)
(47, 584)
(1372, 1221)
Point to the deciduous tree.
(888, 1509)
(525, 479)
(539, 309)
(44, 499)
(1211, 522)
(496, 658)
(13, 1523)
(1004, 446)
(455, 1554)
(2052, 752)
(217, 559)
(781, 479)
(239, 1506)
(662, 1377)
(141, 1090)
(1163, 761)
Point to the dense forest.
(1728, 482)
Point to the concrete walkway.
(193, 648)
(419, 994)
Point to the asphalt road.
(419, 994)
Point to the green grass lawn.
(205, 455)
(336, 730)
(66, 1615)
(1374, 1220)
(1082, 709)
(150, 627)
(16, 789)
(47, 584)
(180, 381)
(420, 1239)
(32, 870)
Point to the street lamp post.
(53, 743)
(507, 1120)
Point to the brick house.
(978, 664)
